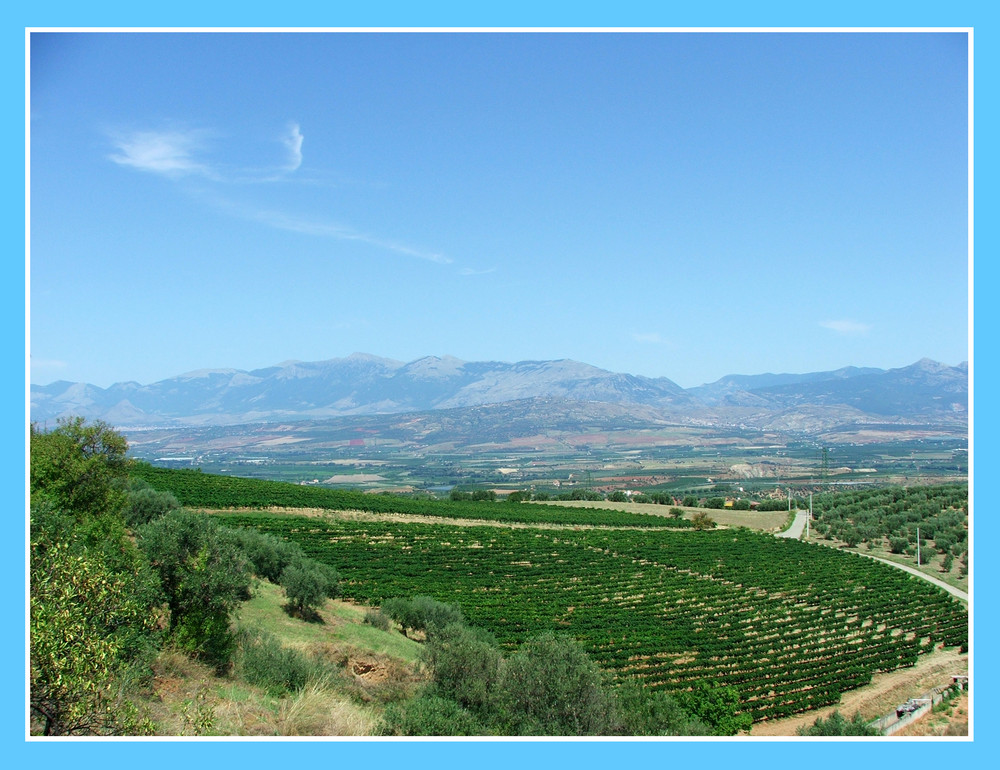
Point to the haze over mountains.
(362, 384)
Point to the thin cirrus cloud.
(846, 327)
(162, 152)
(182, 152)
(304, 226)
(178, 153)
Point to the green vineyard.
(789, 625)
(203, 490)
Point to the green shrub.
(261, 660)
(378, 619)
(146, 504)
(422, 613)
(836, 724)
(430, 715)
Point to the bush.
(836, 724)
(146, 504)
(269, 555)
(640, 711)
(261, 660)
(377, 619)
(551, 687)
(467, 665)
(422, 613)
(702, 520)
(430, 715)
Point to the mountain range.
(361, 384)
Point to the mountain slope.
(367, 385)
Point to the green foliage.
(92, 633)
(702, 520)
(377, 619)
(690, 501)
(79, 467)
(644, 712)
(430, 715)
(144, 504)
(647, 593)
(261, 660)
(422, 613)
(741, 505)
(551, 687)
(204, 490)
(715, 502)
(308, 584)
(837, 725)
(618, 497)
(467, 665)
(718, 706)
(898, 544)
(677, 513)
(203, 575)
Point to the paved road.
(799, 526)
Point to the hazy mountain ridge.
(368, 385)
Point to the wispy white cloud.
(296, 224)
(293, 141)
(649, 338)
(181, 153)
(471, 271)
(188, 152)
(162, 152)
(845, 326)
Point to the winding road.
(799, 525)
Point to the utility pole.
(918, 546)
(810, 514)
(789, 498)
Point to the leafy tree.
(741, 505)
(308, 584)
(204, 576)
(690, 501)
(702, 520)
(92, 634)
(715, 502)
(717, 706)
(81, 469)
(518, 496)
(644, 712)
(898, 544)
(618, 497)
(677, 513)
(836, 724)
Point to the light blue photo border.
(485, 755)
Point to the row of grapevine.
(789, 625)
(203, 490)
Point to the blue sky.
(669, 204)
